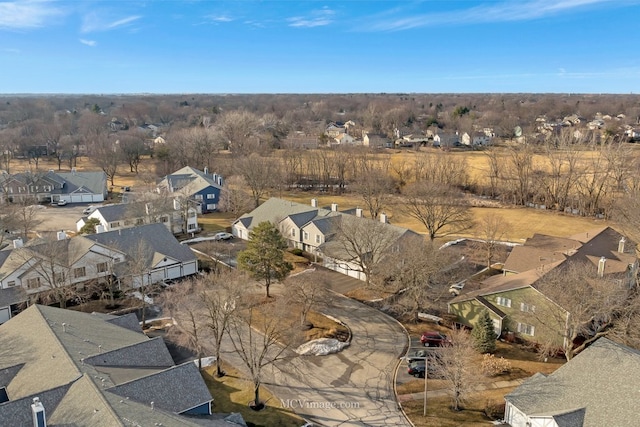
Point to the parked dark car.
(434, 339)
(417, 368)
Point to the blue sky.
(242, 46)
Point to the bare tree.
(457, 366)
(420, 276)
(363, 243)
(579, 303)
(441, 209)
(257, 337)
(259, 173)
(233, 198)
(136, 275)
(308, 291)
(236, 127)
(107, 156)
(26, 214)
(492, 229)
(374, 185)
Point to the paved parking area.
(56, 218)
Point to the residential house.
(344, 139)
(514, 300)
(72, 187)
(298, 139)
(314, 230)
(412, 140)
(476, 139)
(446, 140)
(374, 140)
(197, 186)
(598, 387)
(45, 267)
(164, 258)
(177, 218)
(64, 367)
(334, 129)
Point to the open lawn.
(439, 413)
(233, 392)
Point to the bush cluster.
(493, 366)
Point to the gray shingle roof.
(50, 343)
(149, 353)
(94, 182)
(127, 321)
(158, 238)
(113, 212)
(603, 379)
(12, 296)
(176, 389)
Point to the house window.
(164, 219)
(79, 272)
(211, 196)
(318, 239)
(305, 235)
(33, 283)
(198, 197)
(293, 232)
(523, 328)
(191, 226)
(115, 224)
(139, 221)
(11, 283)
(505, 302)
(527, 308)
(211, 207)
(101, 267)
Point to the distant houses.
(71, 187)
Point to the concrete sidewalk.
(443, 392)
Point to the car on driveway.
(417, 368)
(223, 236)
(62, 203)
(434, 339)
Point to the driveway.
(56, 218)
(351, 388)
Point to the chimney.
(147, 208)
(334, 207)
(73, 171)
(383, 218)
(220, 181)
(621, 245)
(62, 235)
(64, 327)
(18, 243)
(314, 203)
(601, 265)
(38, 413)
(99, 228)
(176, 205)
(359, 212)
(206, 170)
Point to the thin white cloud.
(94, 22)
(219, 18)
(485, 13)
(317, 18)
(27, 14)
(91, 43)
(10, 50)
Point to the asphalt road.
(350, 388)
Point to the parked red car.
(434, 339)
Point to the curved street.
(350, 388)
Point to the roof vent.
(383, 218)
(18, 243)
(601, 265)
(38, 413)
(334, 207)
(359, 212)
(152, 404)
(621, 245)
(314, 203)
(62, 235)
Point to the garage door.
(173, 272)
(5, 314)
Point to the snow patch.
(321, 347)
(206, 361)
